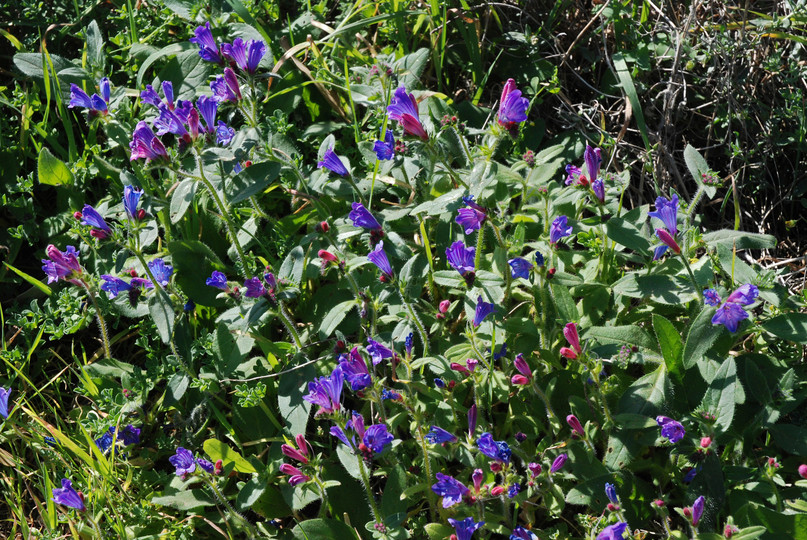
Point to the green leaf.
(669, 340)
(564, 302)
(627, 234)
(623, 335)
(185, 500)
(182, 198)
(740, 239)
(194, 261)
(647, 395)
(322, 529)
(51, 170)
(792, 439)
(335, 316)
(660, 288)
(702, 335)
(591, 492)
(169, 50)
(95, 45)
(251, 181)
(777, 524)
(626, 82)
(218, 450)
(161, 310)
(30, 279)
(697, 168)
(755, 380)
(176, 388)
(719, 397)
(789, 326)
(292, 267)
(291, 388)
(391, 496)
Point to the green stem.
(289, 324)
(550, 412)
(692, 277)
(418, 325)
(253, 533)
(426, 466)
(101, 322)
(366, 481)
(476, 350)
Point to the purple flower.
(105, 441)
(376, 438)
(404, 108)
(744, 295)
(183, 461)
(502, 352)
(697, 510)
(483, 309)
(593, 159)
(559, 229)
(150, 96)
(62, 265)
(224, 134)
(390, 394)
(114, 285)
(521, 365)
(711, 298)
(145, 144)
(225, 87)
(91, 217)
(520, 533)
(379, 258)
(730, 315)
(67, 496)
(513, 107)
(520, 268)
(296, 476)
(438, 435)
(105, 87)
(131, 200)
(246, 55)
(574, 175)
(610, 492)
(208, 49)
(669, 242)
(168, 121)
(254, 288)
(385, 149)
(130, 435)
(671, 429)
(539, 259)
(461, 258)
(4, 394)
(79, 98)
(333, 163)
(691, 474)
(377, 351)
(613, 532)
(471, 419)
(326, 391)
(470, 219)
(355, 369)
(361, 217)
(667, 212)
(598, 187)
(558, 464)
(535, 468)
(208, 107)
(513, 490)
(408, 343)
(161, 271)
(218, 280)
(337, 432)
(450, 489)
(498, 450)
(168, 91)
(465, 528)
(206, 466)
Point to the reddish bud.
(451, 384)
(141, 214)
(688, 512)
(803, 470)
(248, 163)
(612, 507)
(498, 490)
(218, 467)
(729, 530)
(133, 272)
(98, 233)
(444, 305)
(495, 466)
(77, 215)
(659, 503)
(551, 271)
(706, 442)
(323, 227)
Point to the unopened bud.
(495, 466)
(77, 215)
(323, 227)
(498, 490)
(141, 214)
(706, 442)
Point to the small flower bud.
(323, 227)
(521, 436)
(658, 503)
(218, 467)
(612, 507)
(495, 467)
(77, 215)
(575, 424)
(444, 305)
(141, 214)
(729, 530)
(498, 490)
(803, 470)
(706, 442)
(535, 469)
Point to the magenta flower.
(404, 108)
(226, 87)
(450, 489)
(576, 426)
(593, 159)
(296, 476)
(598, 187)
(145, 144)
(558, 464)
(67, 496)
(472, 420)
(62, 265)
(697, 510)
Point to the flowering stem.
(480, 247)
(692, 277)
(550, 412)
(366, 481)
(225, 215)
(289, 324)
(426, 464)
(476, 350)
(251, 528)
(418, 325)
(323, 491)
(101, 322)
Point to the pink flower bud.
(706, 442)
(803, 470)
(459, 367)
(519, 380)
(566, 352)
(444, 305)
(292, 452)
(327, 256)
(659, 503)
(522, 366)
(575, 424)
(495, 466)
(302, 444)
(498, 490)
(570, 333)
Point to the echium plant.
(438, 305)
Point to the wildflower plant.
(382, 331)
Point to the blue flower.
(61, 264)
(105, 441)
(218, 280)
(224, 134)
(574, 175)
(376, 438)
(470, 219)
(145, 144)
(697, 510)
(502, 352)
(332, 162)
(130, 435)
(408, 343)
(613, 532)
(326, 391)
(377, 351)
(610, 492)
(183, 462)
(598, 187)
(150, 96)
(131, 200)
(744, 295)
(520, 533)
(539, 259)
(439, 383)
(105, 87)
(114, 285)
(79, 98)
(4, 393)
(404, 108)
(361, 217)
(355, 369)
(161, 271)
(379, 258)
(560, 228)
(450, 489)
(206, 466)
(558, 464)
(254, 288)
(667, 212)
(483, 309)
(91, 217)
(513, 490)
(691, 474)
(438, 435)
(730, 315)
(67, 496)
(389, 394)
(385, 149)
(461, 258)
(465, 529)
(671, 429)
(513, 107)
(246, 55)
(208, 107)
(498, 450)
(520, 268)
(711, 298)
(208, 49)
